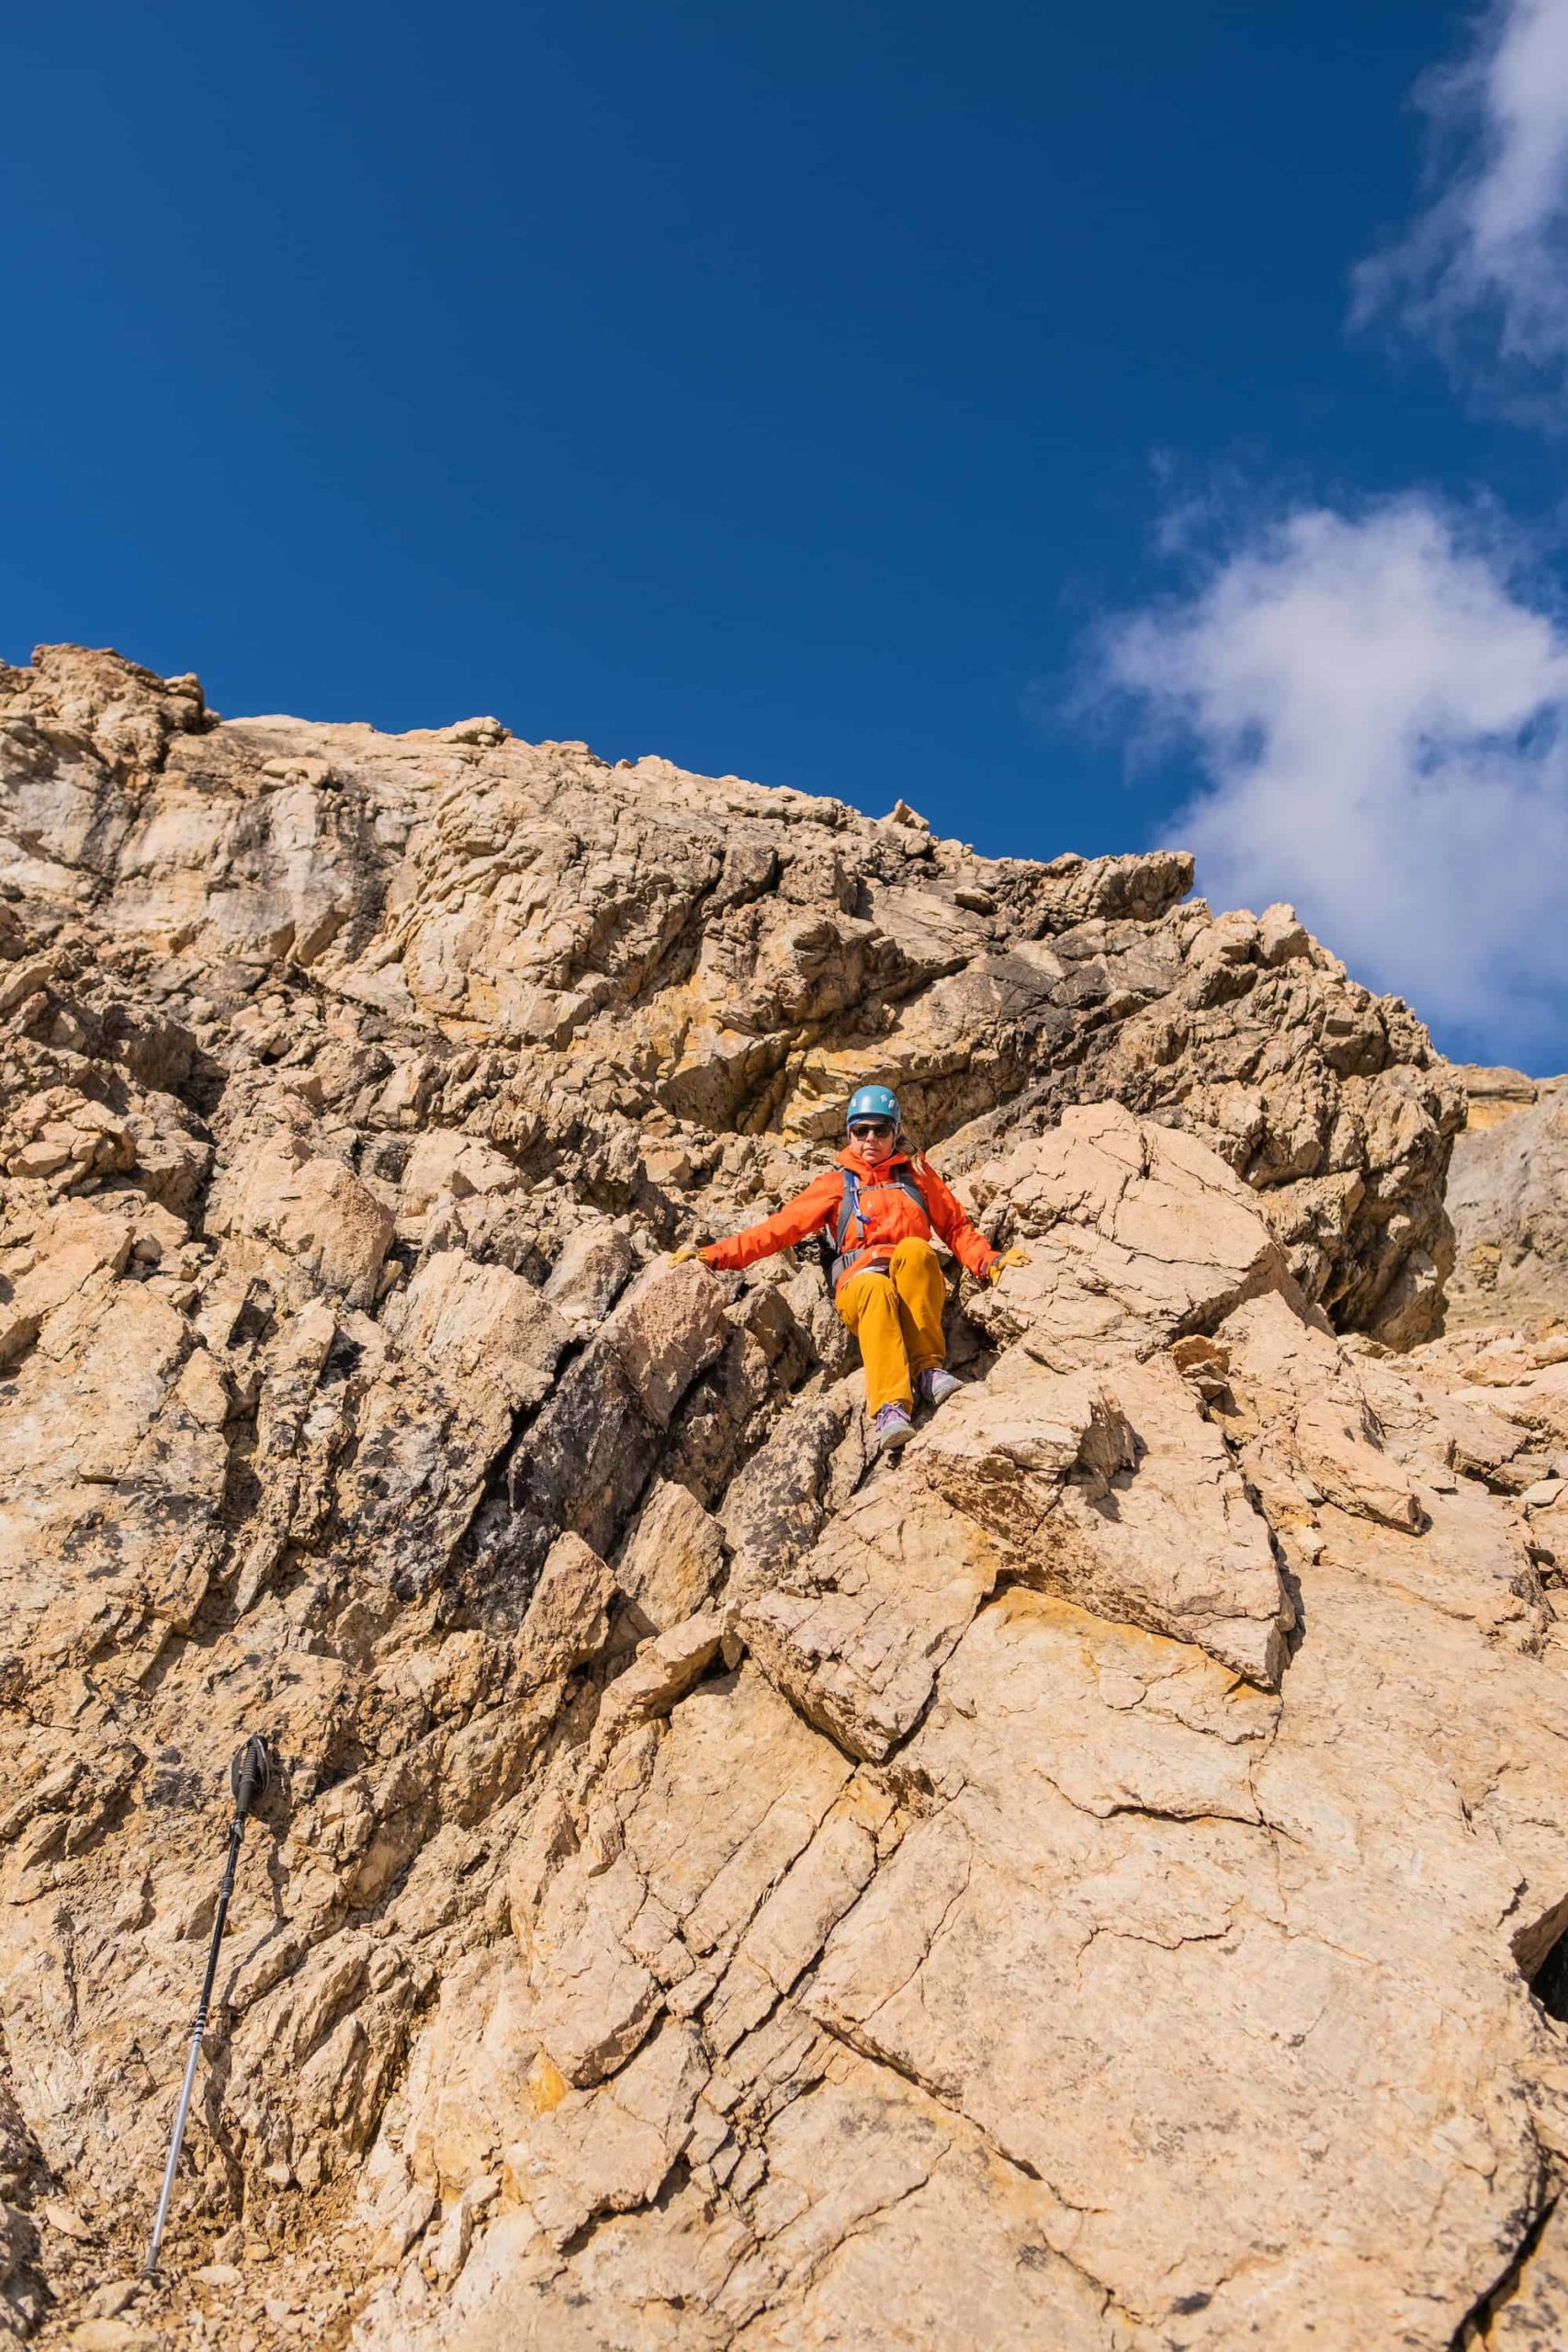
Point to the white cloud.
(1484, 270)
(1381, 717)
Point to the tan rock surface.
(1507, 1195)
(1078, 1883)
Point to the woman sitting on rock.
(881, 1203)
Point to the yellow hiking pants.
(896, 1318)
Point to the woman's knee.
(865, 1298)
(913, 1251)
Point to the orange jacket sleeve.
(796, 1221)
(968, 1246)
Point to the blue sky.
(882, 401)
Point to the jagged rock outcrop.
(646, 987)
(1079, 1882)
(1507, 1196)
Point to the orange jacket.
(890, 1217)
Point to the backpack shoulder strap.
(848, 1209)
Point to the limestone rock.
(674, 1557)
(1506, 1195)
(1138, 1235)
(482, 1326)
(589, 1273)
(690, 938)
(444, 1162)
(667, 1329)
(1123, 1496)
(316, 1212)
(1097, 1880)
(856, 1635)
(567, 1623)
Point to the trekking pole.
(248, 1776)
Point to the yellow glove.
(679, 1257)
(1007, 1258)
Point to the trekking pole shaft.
(180, 2114)
(182, 2111)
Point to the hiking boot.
(891, 1427)
(937, 1386)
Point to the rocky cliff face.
(1080, 1883)
(1507, 1196)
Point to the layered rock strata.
(1081, 1882)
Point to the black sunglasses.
(871, 1127)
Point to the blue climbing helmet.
(873, 1103)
